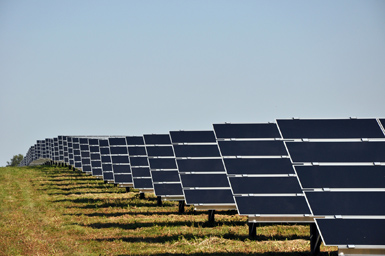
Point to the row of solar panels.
(327, 171)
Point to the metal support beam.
(159, 200)
(181, 206)
(211, 216)
(315, 240)
(252, 230)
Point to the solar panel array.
(328, 172)
(163, 168)
(259, 169)
(201, 170)
(340, 166)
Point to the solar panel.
(138, 158)
(338, 163)
(85, 155)
(329, 128)
(346, 203)
(201, 170)
(352, 233)
(273, 205)
(76, 147)
(260, 172)
(105, 158)
(258, 166)
(164, 172)
(346, 177)
(120, 162)
(247, 131)
(354, 152)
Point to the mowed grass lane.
(55, 211)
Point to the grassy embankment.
(55, 211)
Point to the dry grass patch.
(55, 211)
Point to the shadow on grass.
(242, 254)
(175, 238)
(80, 193)
(196, 224)
(119, 214)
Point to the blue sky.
(133, 67)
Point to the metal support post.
(159, 200)
(181, 206)
(315, 240)
(211, 216)
(252, 229)
(141, 195)
(127, 189)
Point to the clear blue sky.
(134, 67)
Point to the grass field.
(55, 211)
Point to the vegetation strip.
(55, 211)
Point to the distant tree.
(15, 160)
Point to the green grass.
(55, 211)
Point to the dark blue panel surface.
(223, 131)
(85, 154)
(93, 141)
(162, 163)
(330, 128)
(204, 180)
(123, 178)
(162, 176)
(95, 156)
(77, 158)
(108, 175)
(265, 185)
(346, 203)
(96, 164)
(104, 151)
(120, 159)
(157, 139)
(77, 152)
(107, 167)
(94, 148)
(160, 151)
(86, 168)
(122, 168)
(137, 151)
(196, 151)
(103, 143)
(135, 140)
(206, 196)
(83, 141)
(119, 150)
(352, 231)
(106, 159)
(97, 172)
(84, 147)
(168, 189)
(337, 151)
(138, 161)
(252, 148)
(143, 183)
(258, 166)
(86, 161)
(285, 205)
(200, 165)
(140, 172)
(192, 136)
(117, 141)
(341, 176)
